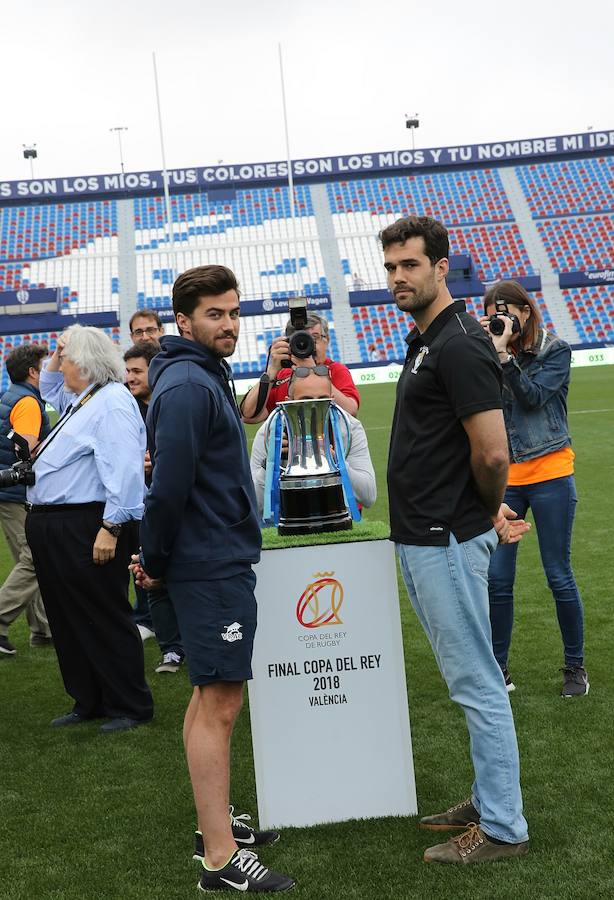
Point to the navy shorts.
(217, 623)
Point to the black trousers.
(97, 643)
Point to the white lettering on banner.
(601, 139)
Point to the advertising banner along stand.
(328, 702)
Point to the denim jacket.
(535, 386)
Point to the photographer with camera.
(21, 410)
(304, 344)
(536, 369)
(83, 510)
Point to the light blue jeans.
(448, 588)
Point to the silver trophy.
(310, 488)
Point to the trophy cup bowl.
(310, 487)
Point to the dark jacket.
(16, 392)
(535, 386)
(201, 518)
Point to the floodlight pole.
(299, 281)
(167, 198)
(118, 130)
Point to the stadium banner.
(265, 307)
(316, 168)
(29, 301)
(586, 279)
(328, 701)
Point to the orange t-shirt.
(557, 464)
(26, 417)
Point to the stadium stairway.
(333, 269)
(563, 323)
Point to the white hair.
(94, 353)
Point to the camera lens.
(496, 326)
(302, 345)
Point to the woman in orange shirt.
(536, 368)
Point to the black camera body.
(20, 472)
(496, 326)
(302, 344)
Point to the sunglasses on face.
(306, 371)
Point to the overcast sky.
(474, 71)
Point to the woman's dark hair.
(436, 242)
(202, 281)
(20, 360)
(514, 294)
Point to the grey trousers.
(20, 592)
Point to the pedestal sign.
(330, 722)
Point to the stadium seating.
(452, 197)
(579, 243)
(573, 186)
(39, 231)
(592, 311)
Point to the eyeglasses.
(141, 332)
(318, 337)
(306, 371)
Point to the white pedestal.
(330, 722)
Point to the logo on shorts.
(232, 633)
(320, 602)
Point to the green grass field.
(87, 817)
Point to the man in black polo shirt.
(447, 472)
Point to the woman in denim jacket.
(536, 365)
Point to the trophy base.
(313, 510)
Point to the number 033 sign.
(330, 723)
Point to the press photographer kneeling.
(294, 350)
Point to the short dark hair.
(143, 350)
(145, 314)
(202, 281)
(435, 236)
(20, 360)
(512, 292)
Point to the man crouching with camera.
(295, 349)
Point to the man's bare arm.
(489, 456)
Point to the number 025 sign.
(330, 722)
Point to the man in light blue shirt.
(83, 511)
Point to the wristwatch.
(508, 358)
(115, 530)
(265, 378)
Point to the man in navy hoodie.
(200, 534)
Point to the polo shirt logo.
(419, 359)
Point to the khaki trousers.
(20, 592)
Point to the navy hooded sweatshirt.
(201, 519)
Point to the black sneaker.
(244, 873)
(243, 834)
(575, 681)
(6, 646)
(509, 684)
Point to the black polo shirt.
(451, 371)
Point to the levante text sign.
(220, 176)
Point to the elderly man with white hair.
(81, 528)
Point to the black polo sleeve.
(471, 374)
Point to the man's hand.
(148, 464)
(142, 579)
(280, 350)
(104, 547)
(508, 526)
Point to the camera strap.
(68, 412)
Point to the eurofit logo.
(320, 602)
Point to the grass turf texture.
(87, 817)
